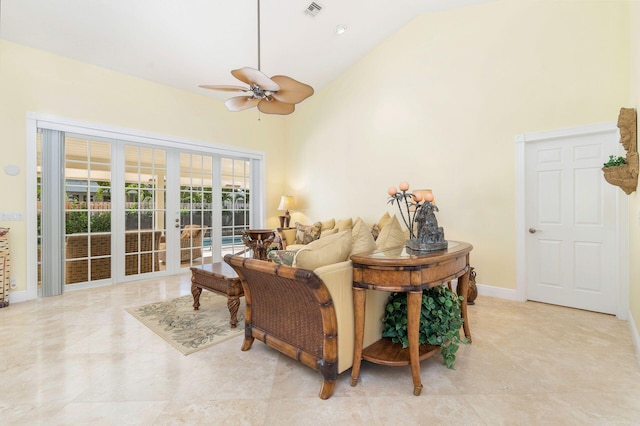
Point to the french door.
(134, 209)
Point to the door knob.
(533, 230)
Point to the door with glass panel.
(194, 220)
(209, 228)
(123, 210)
(235, 196)
(144, 195)
(87, 210)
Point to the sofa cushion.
(325, 251)
(344, 224)
(361, 239)
(391, 235)
(307, 233)
(282, 257)
(327, 232)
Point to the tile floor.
(81, 359)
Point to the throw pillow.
(361, 238)
(375, 230)
(328, 224)
(307, 233)
(326, 233)
(282, 257)
(325, 251)
(386, 217)
(391, 235)
(344, 224)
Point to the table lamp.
(286, 203)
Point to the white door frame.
(622, 204)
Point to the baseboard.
(635, 336)
(18, 296)
(499, 292)
(491, 291)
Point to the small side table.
(399, 270)
(258, 240)
(219, 278)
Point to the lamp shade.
(286, 202)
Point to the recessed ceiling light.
(341, 29)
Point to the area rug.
(187, 330)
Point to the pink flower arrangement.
(412, 203)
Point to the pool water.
(228, 240)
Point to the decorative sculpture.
(430, 236)
(626, 175)
(472, 291)
(419, 214)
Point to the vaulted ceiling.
(185, 43)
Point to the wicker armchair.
(140, 255)
(77, 247)
(291, 310)
(191, 243)
(141, 251)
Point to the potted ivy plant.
(622, 172)
(440, 321)
(615, 161)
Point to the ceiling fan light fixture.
(275, 95)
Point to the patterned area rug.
(187, 330)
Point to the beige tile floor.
(81, 359)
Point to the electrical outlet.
(13, 282)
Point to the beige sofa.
(328, 258)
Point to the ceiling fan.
(275, 95)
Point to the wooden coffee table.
(219, 278)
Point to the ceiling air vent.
(313, 9)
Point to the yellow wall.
(439, 105)
(35, 81)
(634, 199)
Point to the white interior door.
(571, 239)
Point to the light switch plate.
(11, 216)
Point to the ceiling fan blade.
(291, 91)
(275, 107)
(253, 76)
(240, 103)
(225, 88)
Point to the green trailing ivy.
(440, 321)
